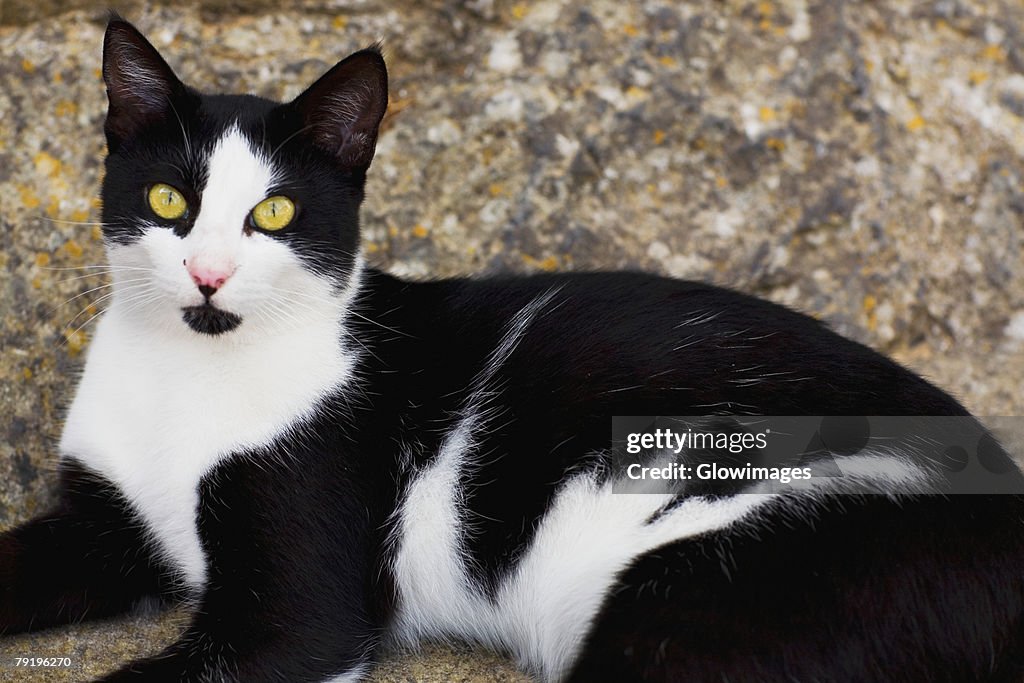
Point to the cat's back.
(636, 343)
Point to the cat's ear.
(140, 84)
(343, 109)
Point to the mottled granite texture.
(861, 161)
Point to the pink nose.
(209, 280)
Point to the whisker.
(95, 289)
(288, 139)
(102, 273)
(184, 133)
(103, 298)
(92, 266)
(66, 222)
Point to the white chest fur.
(155, 412)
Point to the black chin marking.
(207, 319)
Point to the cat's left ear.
(343, 109)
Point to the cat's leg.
(85, 559)
(925, 589)
(294, 590)
(238, 639)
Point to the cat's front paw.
(166, 668)
(12, 620)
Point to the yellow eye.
(167, 202)
(273, 213)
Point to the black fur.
(871, 590)
(299, 536)
(208, 319)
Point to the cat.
(326, 460)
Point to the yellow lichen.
(75, 341)
(519, 10)
(46, 164)
(631, 30)
(27, 66)
(667, 61)
(548, 263)
(80, 215)
(495, 189)
(659, 136)
(42, 259)
(66, 108)
(870, 306)
(339, 22)
(775, 143)
(766, 114)
(97, 232)
(915, 124)
(29, 199)
(73, 249)
(994, 52)
(977, 77)
(26, 373)
(420, 231)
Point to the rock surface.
(860, 161)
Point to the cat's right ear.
(140, 84)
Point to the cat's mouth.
(208, 319)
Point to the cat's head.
(231, 213)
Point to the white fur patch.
(354, 676)
(587, 539)
(435, 590)
(542, 612)
(238, 179)
(159, 405)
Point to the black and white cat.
(328, 460)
